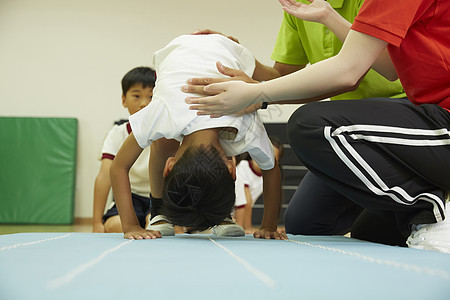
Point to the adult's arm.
(320, 11)
(332, 75)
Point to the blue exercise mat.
(106, 266)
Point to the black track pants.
(388, 156)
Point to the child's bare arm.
(272, 201)
(120, 181)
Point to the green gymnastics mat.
(37, 170)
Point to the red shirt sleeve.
(388, 20)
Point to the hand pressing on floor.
(269, 234)
(139, 233)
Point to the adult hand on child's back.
(269, 234)
(139, 233)
(197, 85)
(205, 86)
(231, 97)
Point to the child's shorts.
(141, 207)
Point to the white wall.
(66, 58)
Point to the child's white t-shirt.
(139, 176)
(168, 115)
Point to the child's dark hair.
(140, 75)
(199, 191)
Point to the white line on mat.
(254, 271)
(33, 243)
(56, 283)
(428, 271)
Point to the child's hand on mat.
(139, 233)
(269, 234)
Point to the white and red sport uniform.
(246, 176)
(389, 156)
(139, 175)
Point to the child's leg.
(248, 226)
(142, 208)
(147, 219)
(113, 224)
(248, 211)
(239, 215)
(111, 220)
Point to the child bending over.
(191, 173)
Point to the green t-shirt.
(301, 42)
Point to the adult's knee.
(296, 222)
(296, 126)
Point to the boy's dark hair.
(140, 75)
(199, 191)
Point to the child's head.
(199, 189)
(137, 88)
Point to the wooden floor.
(83, 225)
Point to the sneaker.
(161, 224)
(228, 228)
(432, 236)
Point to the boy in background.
(137, 92)
(192, 183)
